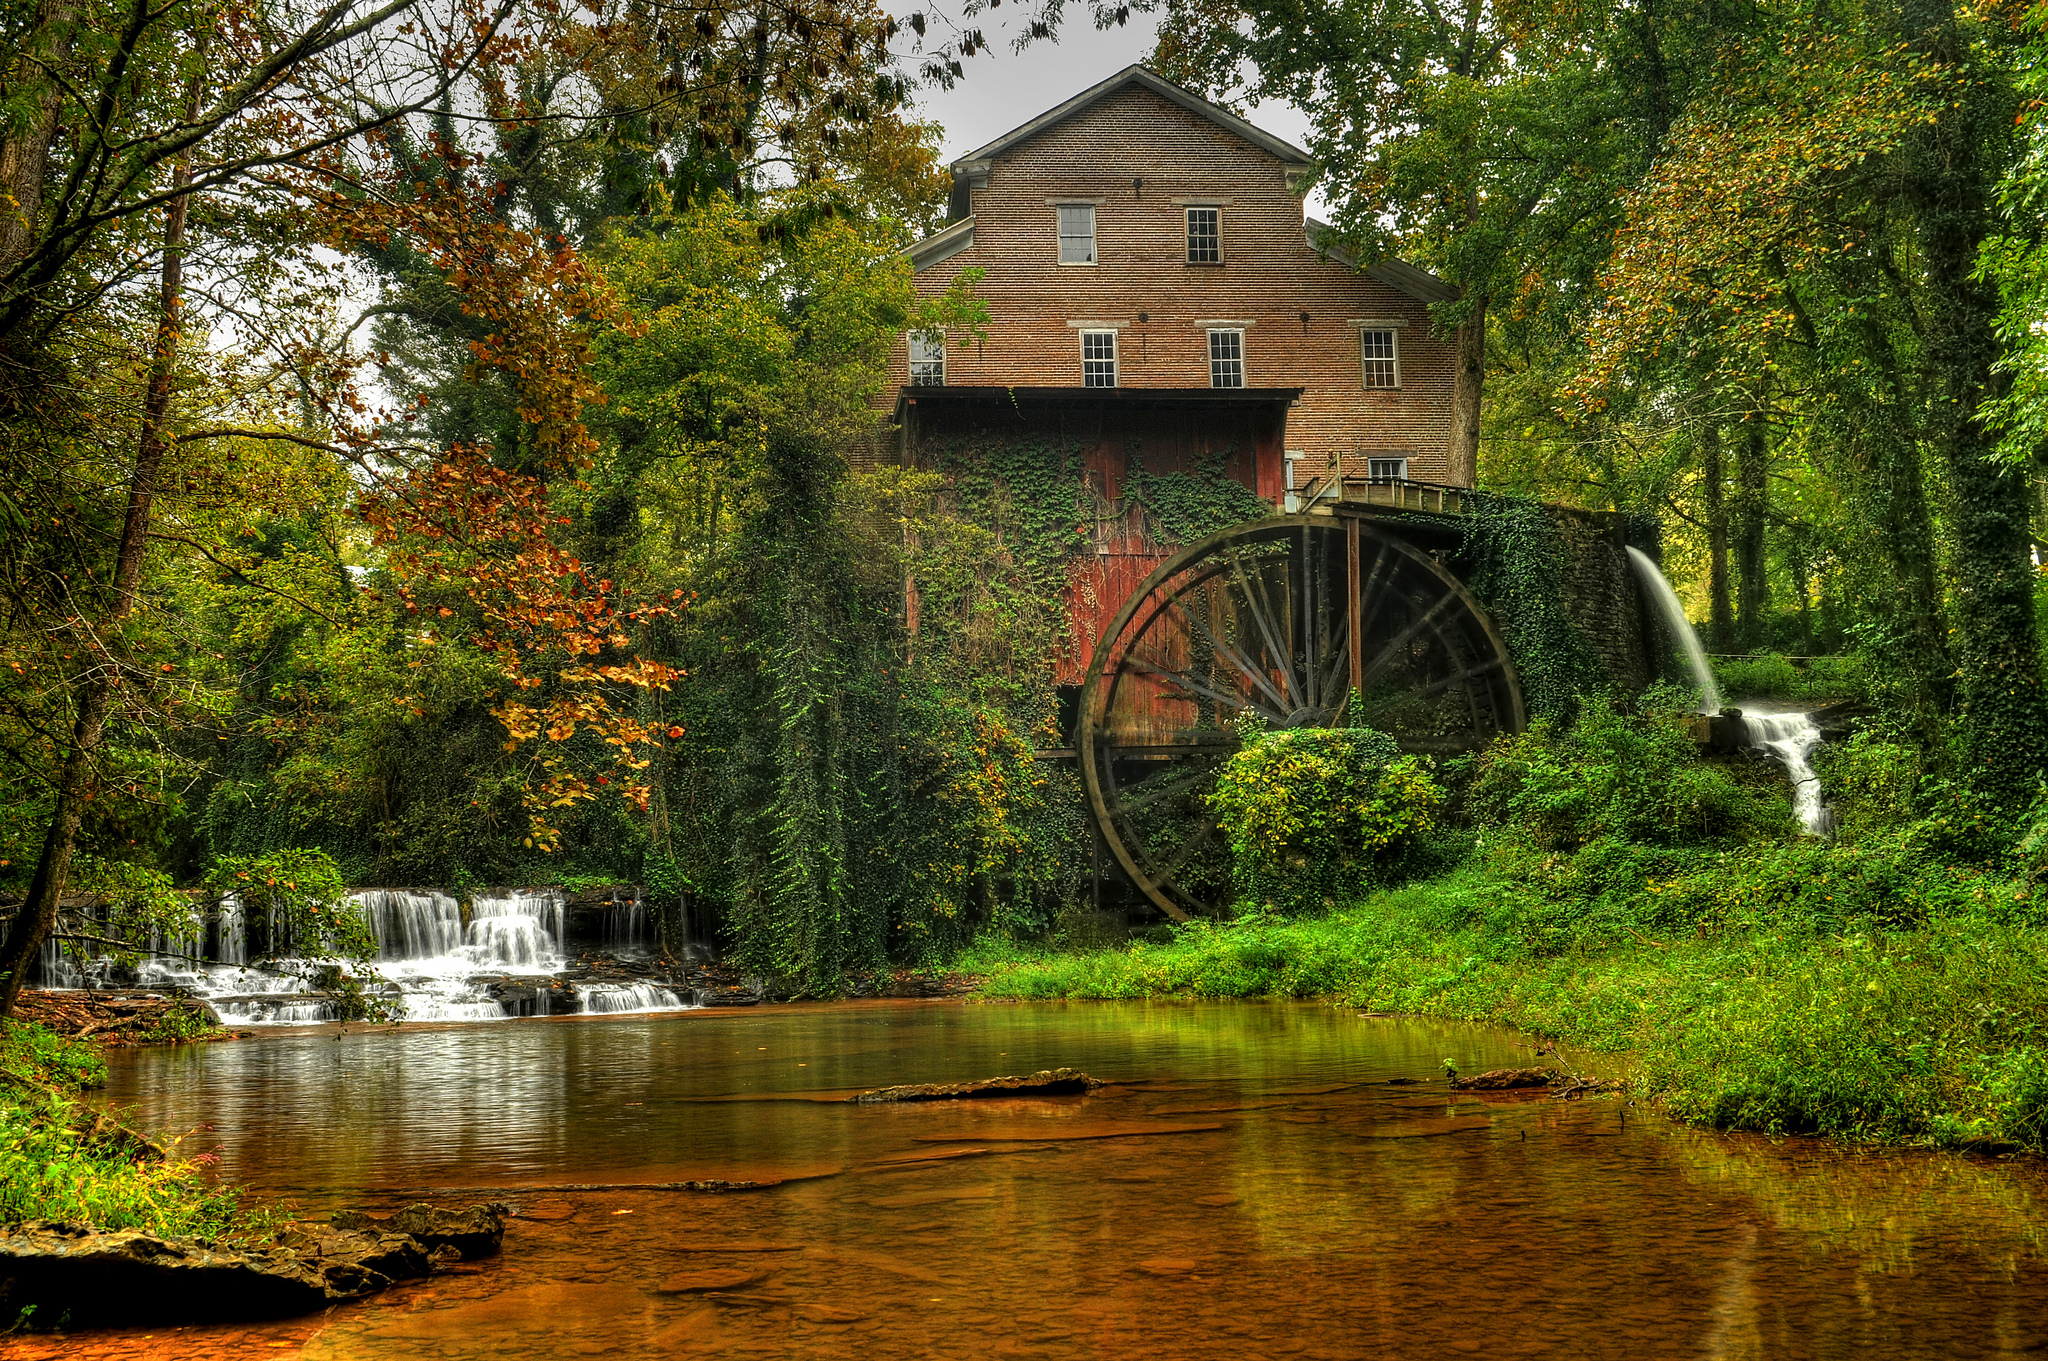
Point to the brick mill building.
(1156, 291)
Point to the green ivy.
(1516, 564)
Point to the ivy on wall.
(1515, 561)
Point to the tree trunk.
(1720, 613)
(1752, 504)
(1465, 394)
(25, 157)
(1951, 174)
(38, 915)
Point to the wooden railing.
(1396, 493)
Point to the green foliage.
(1516, 565)
(1631, 777)
(1187, 506)
(1872, 784)
(61, 1160)
(1312, 814)
(1772, 676)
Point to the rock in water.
(1052, 1082)
(1505, 1079)
(474, 1232)
(77, 1277)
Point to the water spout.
(1674, 616)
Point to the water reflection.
(1257, 1186)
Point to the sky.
(1005, 88)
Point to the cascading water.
(505, 962)
(1791, 738)
(1681, 628)
(1788, 735)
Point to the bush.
(1769, 676)
(1634, 777)
(1313, 814)
(1873, 784)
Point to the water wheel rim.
(1478, 635)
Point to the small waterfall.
(1791, 738)
(519, 930)
(625, 922)
(434, 968)
(409, 924)
(1674, 617)
(607, 998)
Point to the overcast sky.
(1004, 88)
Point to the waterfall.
(1791, 738)
(1674, 617)
(433, 967)
(409, 924)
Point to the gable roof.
(1298, 161)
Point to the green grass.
(1769, 676)
(1792, 988)
(62, 1159)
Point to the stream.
(1261, 1180)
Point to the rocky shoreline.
(69, 1276)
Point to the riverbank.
(62, 1158)
(1755, 1012)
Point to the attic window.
(1077, 233)
(1205, 236)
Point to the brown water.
(1256, 1187)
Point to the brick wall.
(1269, 277)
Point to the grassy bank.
(63, 1159)
(1789, 988)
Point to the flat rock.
(474, 1232)
(1051, 1082)
(1505, 1079)
(717, 1278)
(85, 1277)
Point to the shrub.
(1636, 777)
(1312, 814)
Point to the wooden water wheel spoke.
(1405, 637)
(1198, 689)
(1276, 617)
(1469, 673)
(1238, 660)
(1256, 604)
(1165, 790)
(1188, 848)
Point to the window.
(1077, 234)
(1205, 237)
(1098, 359)
(928, 359)
(1387, 469)
(1382, 360)
(1226, 359)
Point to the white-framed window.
(1387, 469)
(1077, 233)
(1098, 359)
(1226, 359)
(1205, 236)
(1380, 352)
(928, 359)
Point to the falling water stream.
(1260, 1180)
(1789, 735)
(1681, 629)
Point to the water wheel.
(1276, 617)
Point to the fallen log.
(1051, 1082)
